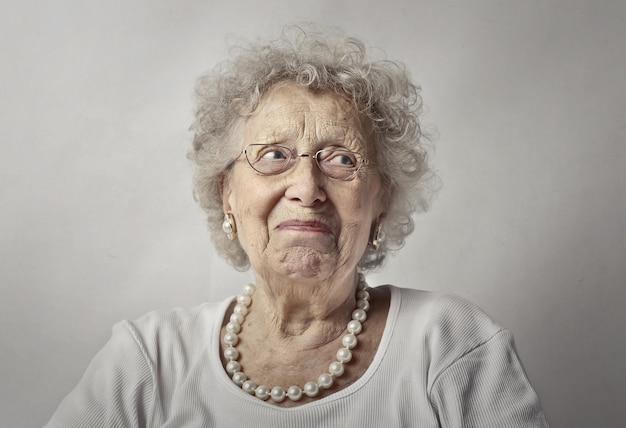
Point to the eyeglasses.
(336, 163)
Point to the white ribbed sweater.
(441, 362)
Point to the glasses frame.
(293, 154)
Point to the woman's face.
(301, 223)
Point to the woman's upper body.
(309, 163)
(440, 362)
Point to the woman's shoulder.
(441, 309)
(446, 323)
(181, 326)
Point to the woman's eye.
(273, 155)
(342, 159)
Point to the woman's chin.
(307, 262)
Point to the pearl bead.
(325, 381)
(344, 355)
(239, 378)
(233, 327)
(354, 327)
(233, 367)
(249, 289)
(294, 393)
(241, 309)
(262, 392)
(278, 394)
(249, 387)
(349, 341)
(336, 368)
(363, 304)
(231, 338)
(363, 294)
(244, 299)
(311, 389)
(359, 315)
(238, 318)
(231, 353)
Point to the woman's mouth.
(304, 226)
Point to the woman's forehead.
(292, 110)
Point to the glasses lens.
(339, 164)
(268, 158)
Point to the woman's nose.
(305, 181)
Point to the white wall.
(98, 223)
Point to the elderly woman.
(309, 163)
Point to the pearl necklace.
(294, 392)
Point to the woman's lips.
(304, 226)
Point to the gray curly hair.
(321, 61)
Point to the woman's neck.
(306, 313)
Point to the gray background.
(98, 223)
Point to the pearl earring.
(229, 226)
